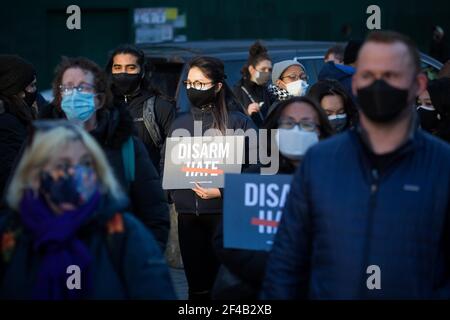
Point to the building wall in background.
(37, 30)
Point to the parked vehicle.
(169, 60)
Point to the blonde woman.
(67, 236)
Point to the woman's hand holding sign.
(206, 193)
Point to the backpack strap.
(128, 158)
(150, 121)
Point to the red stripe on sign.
(200, 170)
(262, 222)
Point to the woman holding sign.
(200, 208)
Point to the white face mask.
(428, 108)
(293, 143)
(297, 88)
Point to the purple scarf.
(54, 238)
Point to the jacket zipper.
(374, 186)
(195, 195)
(196, 205)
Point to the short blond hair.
(46, 143)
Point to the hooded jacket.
(13, 133)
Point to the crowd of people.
(366, 145)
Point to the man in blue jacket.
(368, 213)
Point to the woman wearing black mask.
(16, 76)
(439, 119)
(251, 90)
(130, 73)
(428, 116)
(200, 209)
(336, 102)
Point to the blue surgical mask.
(78, 105)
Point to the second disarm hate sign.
(203, 160)
(252, 209)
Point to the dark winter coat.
(127, 261)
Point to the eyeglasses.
(196, 84)
(295, 77)
(305, 125)
(84, 87)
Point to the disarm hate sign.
(204, 160)
(253, 205)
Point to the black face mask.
(126, 83)
(202, 98)
(381, 102)
(429, 120)
(30, 97)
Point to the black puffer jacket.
(187, 201)
(165, 113)
(13, 133)
(147, 199)
(440, 98)
(258, 93)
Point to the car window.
(233, 71)
(313, 66)
(165, 77)
(429, 70)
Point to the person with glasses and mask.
(289, 79)
(336, 102)
(301, 123)
(200, 208)
(68, 234)
(368, 212)
(82, 95)
(251, 90)
(17, 79)
(130, 77)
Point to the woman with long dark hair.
(336, 102)
(200, 209)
